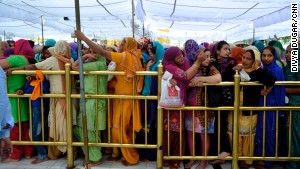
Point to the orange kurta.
(126, 112)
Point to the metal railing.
(236, 108)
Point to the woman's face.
(247, 60)
(267, 57)
(179, 60)
(84, 50)
(46, 55)
(224, 52)
(149, 46)
(121, 47)
(152, 55)
(206, 62)
(288, 53)
(92, 51)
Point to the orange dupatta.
(37, 85)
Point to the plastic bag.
(170, 95)
(112, 66)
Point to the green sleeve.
(16, 61)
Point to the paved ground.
(62, 163)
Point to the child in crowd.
(39, 133)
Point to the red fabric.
(22, 47)
(18, 150)
(237, 53)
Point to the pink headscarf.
(170, 66)
(22, 47)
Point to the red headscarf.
(237, 54)
(22, 47)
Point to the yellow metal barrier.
(159, 163)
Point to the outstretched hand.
(79, 35)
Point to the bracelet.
(257, 68)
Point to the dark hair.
(31, 60)
(153, 49)
(45, 48)
(272, 49)
(31, 43)
(251, 52)
(218, 46)
(205, 50)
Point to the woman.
(224, 64)
(275, 97)
(294, 100)
(126, 110)
(196, 97)
(24, 55)
(96, 120)
(250, 70)
(143, 45)
(175, 63)
(156, 53)
(57, 61)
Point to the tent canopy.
(205, 20)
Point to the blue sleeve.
(5, 107)
(28, 89)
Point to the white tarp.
(207, 20)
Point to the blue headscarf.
(158, 56)
(278, 74)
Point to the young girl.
(196, 97)
(224, 64)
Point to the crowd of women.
(191, 67)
